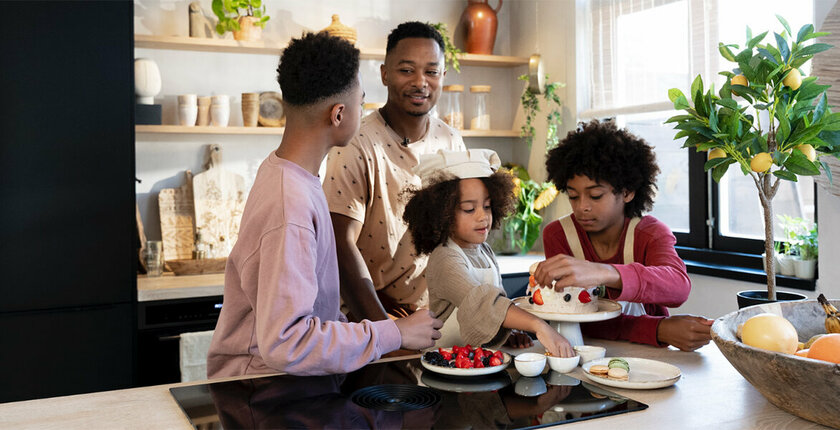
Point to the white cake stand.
(569, 324)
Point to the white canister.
(220, 111)
(187, 109)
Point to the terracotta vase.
(480, 23)
(248, 29)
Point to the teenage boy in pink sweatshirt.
(281, 297)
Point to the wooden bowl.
(804, 387)
(197, 267)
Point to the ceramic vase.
(786, 265)
(804, 269)
(187, 109)
(250, 109)
(203, 111)
(480, 23)
(220, 111)
(249, 31)
(146, 80)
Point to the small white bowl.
(563, 364)
(529, 363)
(530, 387)
(590, 352)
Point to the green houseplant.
(780, 131)
(451, 52)
(521, 229)
(245, 18)
(531, 106)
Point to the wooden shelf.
(180, 129)
(266, 48)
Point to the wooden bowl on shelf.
(197, 267)
(804, 387)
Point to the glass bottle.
(481, 116)
(451, 109)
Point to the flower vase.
(480, 22)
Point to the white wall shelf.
(179, 129)
(233, 46)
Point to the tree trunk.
(769, 252)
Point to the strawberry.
(499, 355)
(479, 353)
(468, 348)
(584, 297)
(532, 281)
(461, 362)
(477, 363)
(495, 361)
(446, 354)
(538, 297)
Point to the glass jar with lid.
(451, 102)
(481, 116)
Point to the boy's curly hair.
(605, 153)
(315, 67)
(430, 211)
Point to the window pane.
(671, 202)
(740, 210)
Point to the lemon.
(793, 79)
(808, 151)
(716, 153)
(771, 332)
(761, 162)
(739, 80)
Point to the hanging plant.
(450, 52)
(531, 105)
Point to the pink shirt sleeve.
(291, 335)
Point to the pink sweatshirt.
(657, 279)
(281, 299)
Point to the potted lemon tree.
(768, 120)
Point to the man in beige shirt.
(380, 272)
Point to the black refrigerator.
(67, 218)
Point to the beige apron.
(627, 308)
(451, 330)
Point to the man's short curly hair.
(430, 212)
(316, 67)
(602, 152)
(413, 29)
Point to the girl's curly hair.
(430, 211)
(605, 153)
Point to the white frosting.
(555, 301)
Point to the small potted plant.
(788, 252)
(807, 247)
(245, 18)
(521, 229)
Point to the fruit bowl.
(804, 387)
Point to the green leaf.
(803, 134)
(684, 133)
(819, 111)
(784, 24)
(742, 90)
(754, 41)
(814, 49)
(814, 35)
(681, 103)
(697, 86)
(831, 122)
(711, 164)
(678, 118)
(831, 137)
(713, 120)
(725, 52)
(799, 61)
(784, 129)
(749, 33)
(784, 49)
(673, 93)
(725, 92)
(800, 165)
(827, 171)
(694, 139)
(804, 31)
(768, 55)
(730, 103)
(784, 174)
(808, 92)
(720, 170)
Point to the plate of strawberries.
(465, 360)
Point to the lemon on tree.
(766, 78)
(771, 332)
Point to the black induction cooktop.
(398, 394)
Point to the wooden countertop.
(710, 394)
(169, 286)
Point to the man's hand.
(419, 330)
(686, 332)
(568, 271)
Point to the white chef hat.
(472, 163)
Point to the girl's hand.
(554, 343)
(567, 271)
(518, 339)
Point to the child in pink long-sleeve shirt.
(609, 176)
(281, 298)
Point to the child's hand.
(518, 339)
(554, 343)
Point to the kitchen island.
(711, 393)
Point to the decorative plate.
(271, 109)
(454, 371)
(644, 374)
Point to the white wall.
(162, 159)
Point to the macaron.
(599, 370)
(619, 363)
(618, 373)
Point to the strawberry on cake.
(569, 300)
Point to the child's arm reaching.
(554, 343)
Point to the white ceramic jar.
(220, 111)
(187, 109)
(147, 80)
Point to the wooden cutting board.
(219, 198)
(177, 225)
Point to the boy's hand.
(686, 332)
(554, 343)
(568, 271)
(419, 330)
